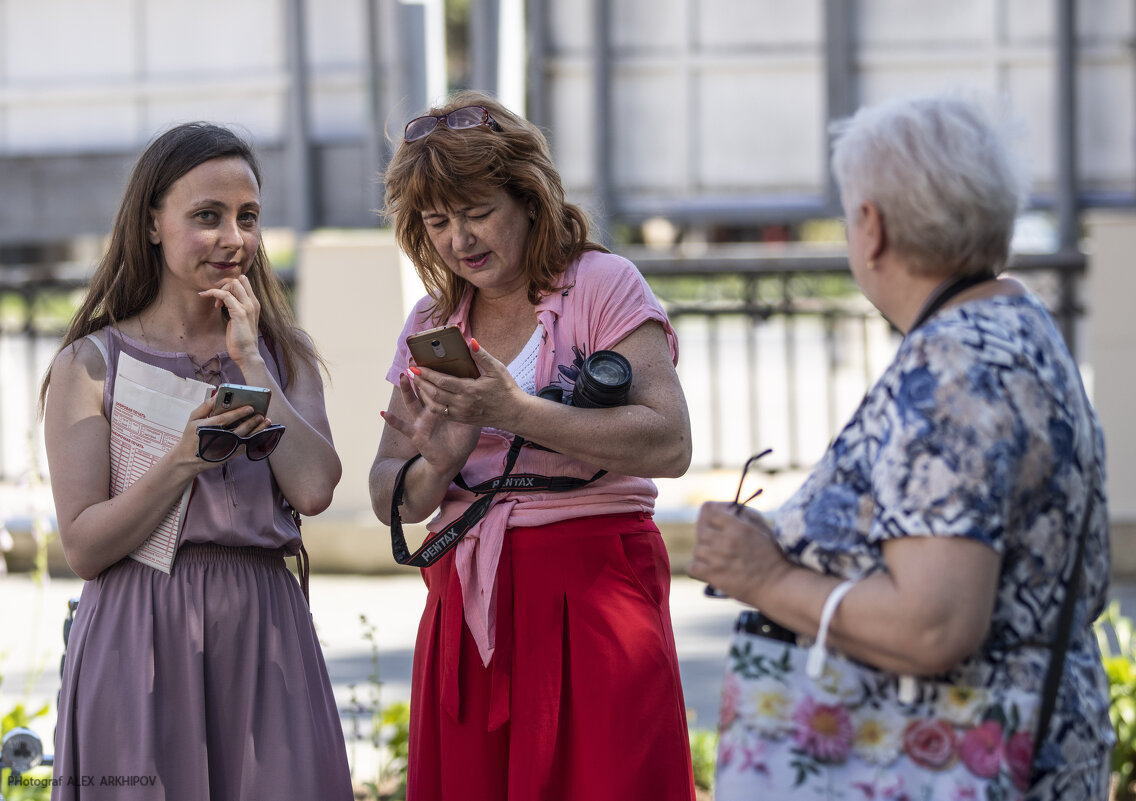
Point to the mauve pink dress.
(209, 683)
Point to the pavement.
(361, 621)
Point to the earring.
(532, 214)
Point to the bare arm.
(305, 463)
(412, 429)
(928, 612)
(97, 530)
(442, 420)
(649, 437)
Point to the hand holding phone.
(443, 349)
(234, 396)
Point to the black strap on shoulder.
(1064, 623)
(452, 532)
(946, 291)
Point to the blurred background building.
(695, 131)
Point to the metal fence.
(777, 346)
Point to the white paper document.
(150, 410)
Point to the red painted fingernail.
(473, 344)
(415, 370)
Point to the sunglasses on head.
(215, 444)
(459, 119)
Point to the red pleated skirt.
(582, 698)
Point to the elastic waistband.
(211, 553)
(594, 525)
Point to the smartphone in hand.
(234, 396)
(443, 349)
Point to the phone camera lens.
(228, 399)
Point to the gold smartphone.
(443, 349)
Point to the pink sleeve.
(618, 301)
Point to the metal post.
(1067, 208)
(601, 122)
(378, 153)
(484, 19)
(536, 105)
(839, 76)
(298, 146)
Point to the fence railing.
(777, 346)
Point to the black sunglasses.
(215, 444)
(460, 119)
(739, 504)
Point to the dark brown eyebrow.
(208, 202)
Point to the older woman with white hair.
(930, 553)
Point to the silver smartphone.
(234, 396)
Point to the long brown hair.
(447, 169)
(129, 274)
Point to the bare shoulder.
(78, 360)
(78, 373)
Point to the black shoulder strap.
(1068, 606)
(947, 290)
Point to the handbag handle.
(814, 663)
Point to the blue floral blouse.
(979, 429)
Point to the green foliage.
(48, 311)
(1118, 649)
(704, 756)
(40, 788)
(19, 716)
(389, 731)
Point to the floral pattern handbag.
(799, 722)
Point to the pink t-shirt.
(604, 299)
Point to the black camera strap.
(452, 532)
(527, 482)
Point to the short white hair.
(942, 176)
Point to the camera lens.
(604, 381)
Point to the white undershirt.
(523, 368)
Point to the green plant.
(1118, 649)
(704, 756)
(389, 731)
(36, 785)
